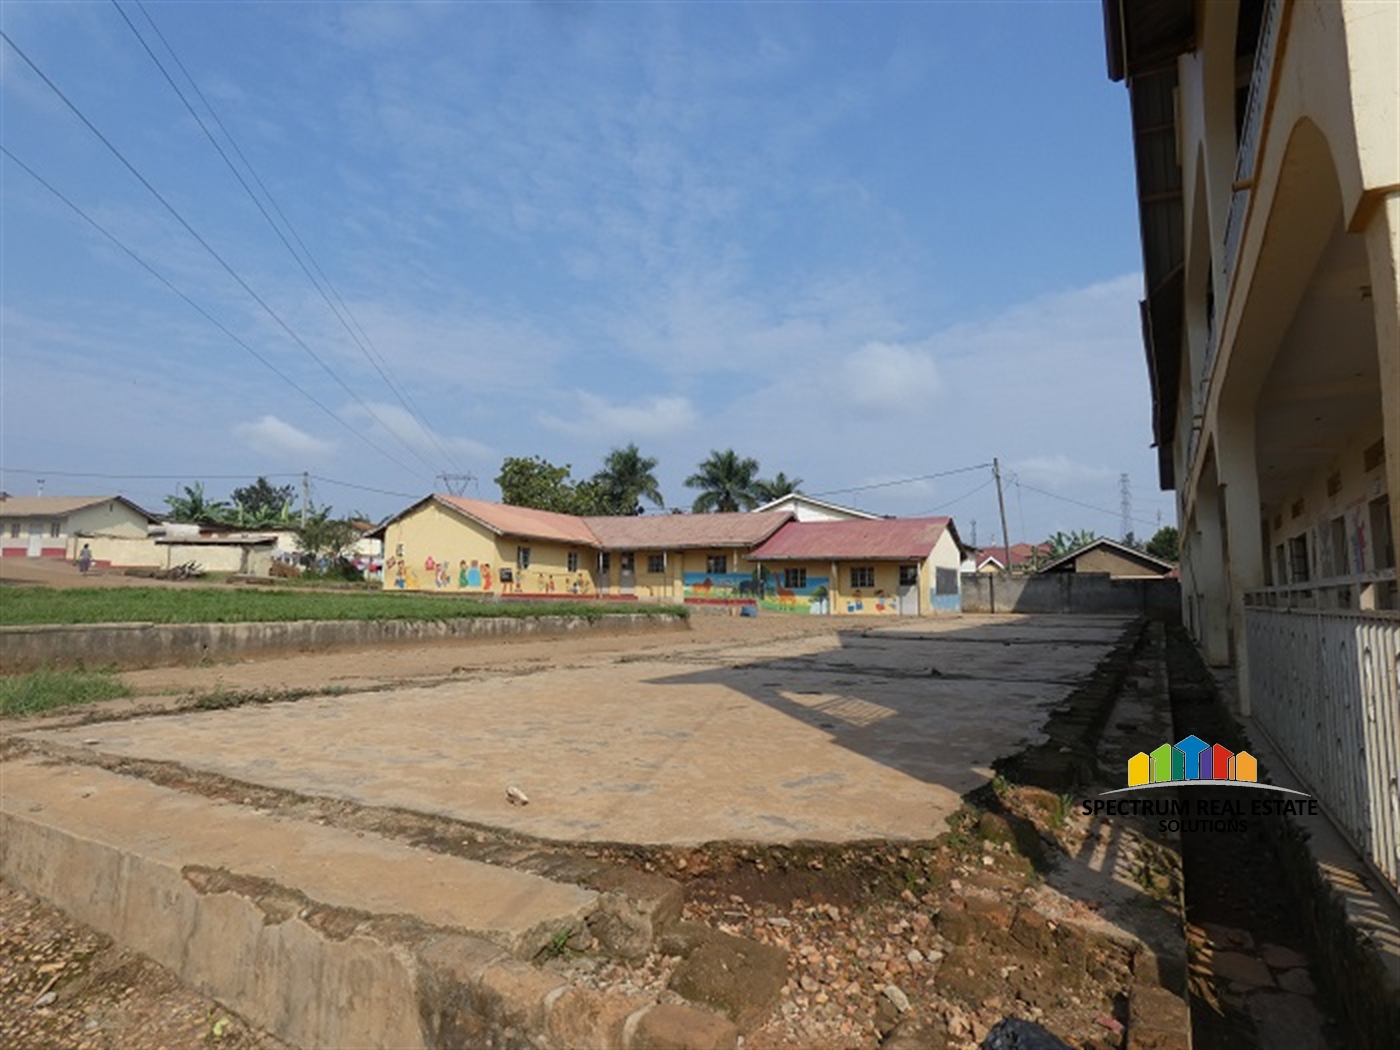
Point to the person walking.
(85, 559)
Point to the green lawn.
(33, 605)
(28, 694)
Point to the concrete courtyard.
(738, 730)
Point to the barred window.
(862, 576)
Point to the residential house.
(890, 566)
(1267, 145)
(1108, 558)
(809, 508)
(1025, 557)
(58, 526)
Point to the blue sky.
(859, 242)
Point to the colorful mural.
(766, 590)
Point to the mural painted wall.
(434, 550)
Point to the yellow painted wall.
(882, 599)
(431, 549)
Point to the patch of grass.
(29, 694)
(230, 605)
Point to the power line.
(202, 477)
(956, 499)
(1077, 503)
(174, 212)
(903, 481)
(372, 358)
(199, 309)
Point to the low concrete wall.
(163, 645)
(1067, 592)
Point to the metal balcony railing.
(1325, 688)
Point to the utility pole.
(305, 494)
(1125, 506)
(1001, 505)
(456, 484)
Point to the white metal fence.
(1325, 686)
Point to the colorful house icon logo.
(1191, 759)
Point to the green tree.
(195, 507)
(726, 482)
(766, 490)
(1062, 543)
(263, 504)
(1165, 543)
(626, 479)
(535, 482)
(323, 536)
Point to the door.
(627, 573)
(908, 590)
(36, 539)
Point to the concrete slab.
(146, 824)
(835, 737)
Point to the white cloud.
(396, 428)
(1059, 471)
(274, 437)
(591, 416)
(888, 375)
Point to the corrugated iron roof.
(883, 539)
(678, 531)
(58, 506)
(522, 521)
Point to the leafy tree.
(1062, 543)
(535, 482)
(727, 482)
(1165, 543)
(194, 506)
(626, 479)
(322, 536)
(264, 505)
(766, 490)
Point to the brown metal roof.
(58, 506)
(507, 520)
(881, 540)
(679, 531)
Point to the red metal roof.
(679, 531)
(906, 539)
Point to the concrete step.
(323, 936)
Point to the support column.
(1208, 565)
(1244, 566)
(1383, 250)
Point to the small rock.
(45, 999)
(895, 994)
(915, 956)
(516, 797)
(1111, 1023)
(809, 983)
(1281, 958)
(778, 920)
(92, 741)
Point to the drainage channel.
(1251, 982)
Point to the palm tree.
(726, 481)
(626, 479)
(779, 485)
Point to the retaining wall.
(164, 645)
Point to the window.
(1281, 565)
(605, 563)
(14, 530)
(522, 557)
(1298, 559)
(628, 562)
(54, 527)
(573, 561)
(862, 576)
(1382, 536)
(656, 563)
(908, 575)
(794, 579)
(716, 563)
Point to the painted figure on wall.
(469, 576)
(486, 576)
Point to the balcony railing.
(1362, 592)
(1245, 158)
(1325, 688)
